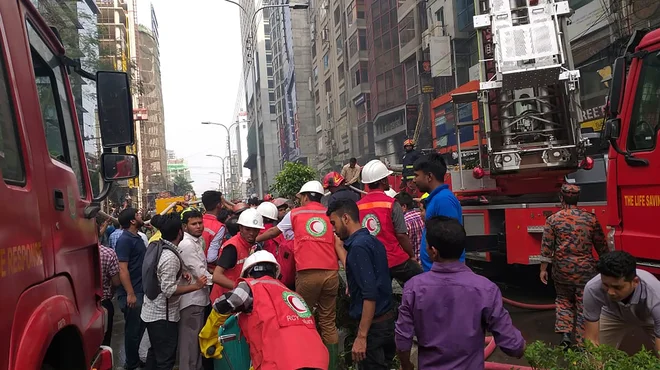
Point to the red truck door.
(75, 245)
(639, 186)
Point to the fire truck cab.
(633, 178)
(51, 316)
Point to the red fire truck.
(633, 179)
(49, 256)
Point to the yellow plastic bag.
(208, 336)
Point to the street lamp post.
(251, 41)
(228, 129)
(222, 159)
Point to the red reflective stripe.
(371, 205)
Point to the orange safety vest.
(280, 329)
(314, 240)
(243, 251)
(376, 216)
(211, 227)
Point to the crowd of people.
(278, 266)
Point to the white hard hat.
(312, 187)
(373, 171)
(391, 193)
(268, 210)
(251, 218)
(259, 257)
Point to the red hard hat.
(332, 179)
(409, 142)
(268, 197)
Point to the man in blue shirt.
(130, 250)
(430, 171)
(370, 287)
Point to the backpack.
(150, 282)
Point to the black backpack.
(150, 282)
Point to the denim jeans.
(133, 330)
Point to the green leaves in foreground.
(291, 178)
(543, 357)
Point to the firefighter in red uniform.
(317, 280)
(383, 217)
(235, 251)
(277, 324)
(278, 246)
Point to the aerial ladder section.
(529, 135)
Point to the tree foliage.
(291, 178)
(181, 185)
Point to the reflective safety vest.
(243, 251)
(409, 159)
(211, 227)
(376, 216)
(280, 329)
(314, 240)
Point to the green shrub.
(543, 357)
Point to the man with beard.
(130, 253)
(234, 252)
(193, 305)
(370, 288)
(430, 173)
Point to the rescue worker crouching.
(383, 217)
(315, 256)
(277, 324)
(235, 251)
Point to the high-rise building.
(153, 156)
(331, 84)
(291, 65)
(262, 139)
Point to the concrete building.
(177, 167)
(335, 115)
(151, 130)
(262, 138)
(291, 64)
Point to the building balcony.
(361, 55)
(356, 25)
(362, 88)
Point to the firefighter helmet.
(333, 179)
(409, 142)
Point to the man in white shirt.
(193, 305)
(161, 315)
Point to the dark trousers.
(164, 337)
(133, 330)
(107, 304)
(381, 348)
(405, 271)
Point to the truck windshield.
(643, 130)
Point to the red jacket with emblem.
(280, 329)
(314, 240)
(282, 249)
(376, 216)
(243, 251)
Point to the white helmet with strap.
(257, 258)
(251, 218)
(373, 171)
(312, 187)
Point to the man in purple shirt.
(450, 308)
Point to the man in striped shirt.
(414, 221)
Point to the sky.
(201, 63)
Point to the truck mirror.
(119, 166)
(115, 109)
(617, 85)
(611, 129)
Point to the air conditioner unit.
(325, 36)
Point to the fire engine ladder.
(529, 89)
(462, 183)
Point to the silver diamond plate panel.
(545, 42)
(499, 6)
